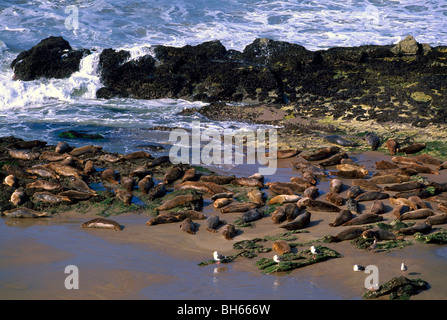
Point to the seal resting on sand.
(228, 231)
(392, 146)
(102, 223)
(24, 213)
(363, 219)
(299, 222)
(417, 214)
(281, 247)
(212, 223)
(343, 216)
(187, 226)
(347, 234)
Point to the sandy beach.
(161, 261)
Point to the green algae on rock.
(439, 237)
(399, 288)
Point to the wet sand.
(161, 261)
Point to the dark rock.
(399, 288)
(53, 57)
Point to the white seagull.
(403, 268)
(277, 259)
(218, 256)
(314, 251)
(374, 245)
(358, 268)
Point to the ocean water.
(43, 108)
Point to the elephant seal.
(373, 140)
(379, 234)
(336, 139)
(437, 219)
(428, 159)
(372, 195)
(146, 184)
(399, 210)
(282, 198)
(228, 231)
(342, 217)
(347, 234)
(363, 219)
(194, 200)
(172, 174)
(354, 191)
(279, 215)
(378, 207)
(413, 148)
(24, 213)
(252, 215)
(311, 192)
(221, 202)
(390, 178)
(421, 226)
(334, 198)
(352, 205)
(239, 207)
(256, 196)
(366, 185)
(102, 223)
(392, 146)
(384, 165)
(17, 197)
(217, 179)
(187, 226)
(281, 247)
(334, 160)
(44, 184)
(417, 214)
(321, 153)
(299, 222)
(49, 197)
(212, 223)
(317, 205)
(405, 186)
(336, 185)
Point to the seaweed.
(439, 237)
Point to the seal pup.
(11, 180)
(373, 140)
(24, 213)
(299, 222)
(342, 217)
(228, 231)
(413, 148)
(17, 197)
(187, 226)
(392, 146)
(281, 247)
(102, 223)
(146, 184)
(363, 219)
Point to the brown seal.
(342, 217)
(291, 210)
(64, 170)
(110, 158)
(421, 193)
(187, 226)
(279, 215)
(334, 160)
(17, 197)
(212, 223)
(392, 146)
(218, 179)
(30, 144)
(334, 198)
(75, 195)
(45, 185)
(437, 219)
(127, 183)
(85, 149)
(221, 202)
(299, 222)
(421, 169)
(421, 226)
(190, 175)
(439, 186)
(399, 210)
(405, 186)
(372, 195)
(157, 192)
(206, 187)
(169, 217)
(442, 206)
(413, 148)
(24, 154)
(282, 198)
(363, 219)
(194, 200)
(256, 196)
(124, 195)
(321, 154)
(11, 180)
(110, 176)
(336, 185)
(378, 207)
(347, 234)
(102, 223)
(23, 212)
(137, 155)
(311, 192)
(172, 174)
(17, 172)
(366, 185)
(404, 160)
(317, 205)
(247, 182)
(239, 207)
(53, 156)
(379, 234)
(404, 201)
(352, 174)
(418, 202)
(417, 214)
(49, 197)
(278, 187)
(140, 172)
(89, 168)
(399, 171)
(43, 172)
(428, 159)
(301, 181)
(281, 247)
(62, 147)
(383, 165)
(390, 178)
(228, 231)
(146, 184)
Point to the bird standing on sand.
(277, 259)
(358, 268)
(373, 245)
(218, 257)
(403, 268)
(314, 251)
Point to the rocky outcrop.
(53, 57)
(406, 82)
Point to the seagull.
(403, 268)
(314, 251)
(374, 245)
(218, 256)
(276, 258)
(358, 268)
